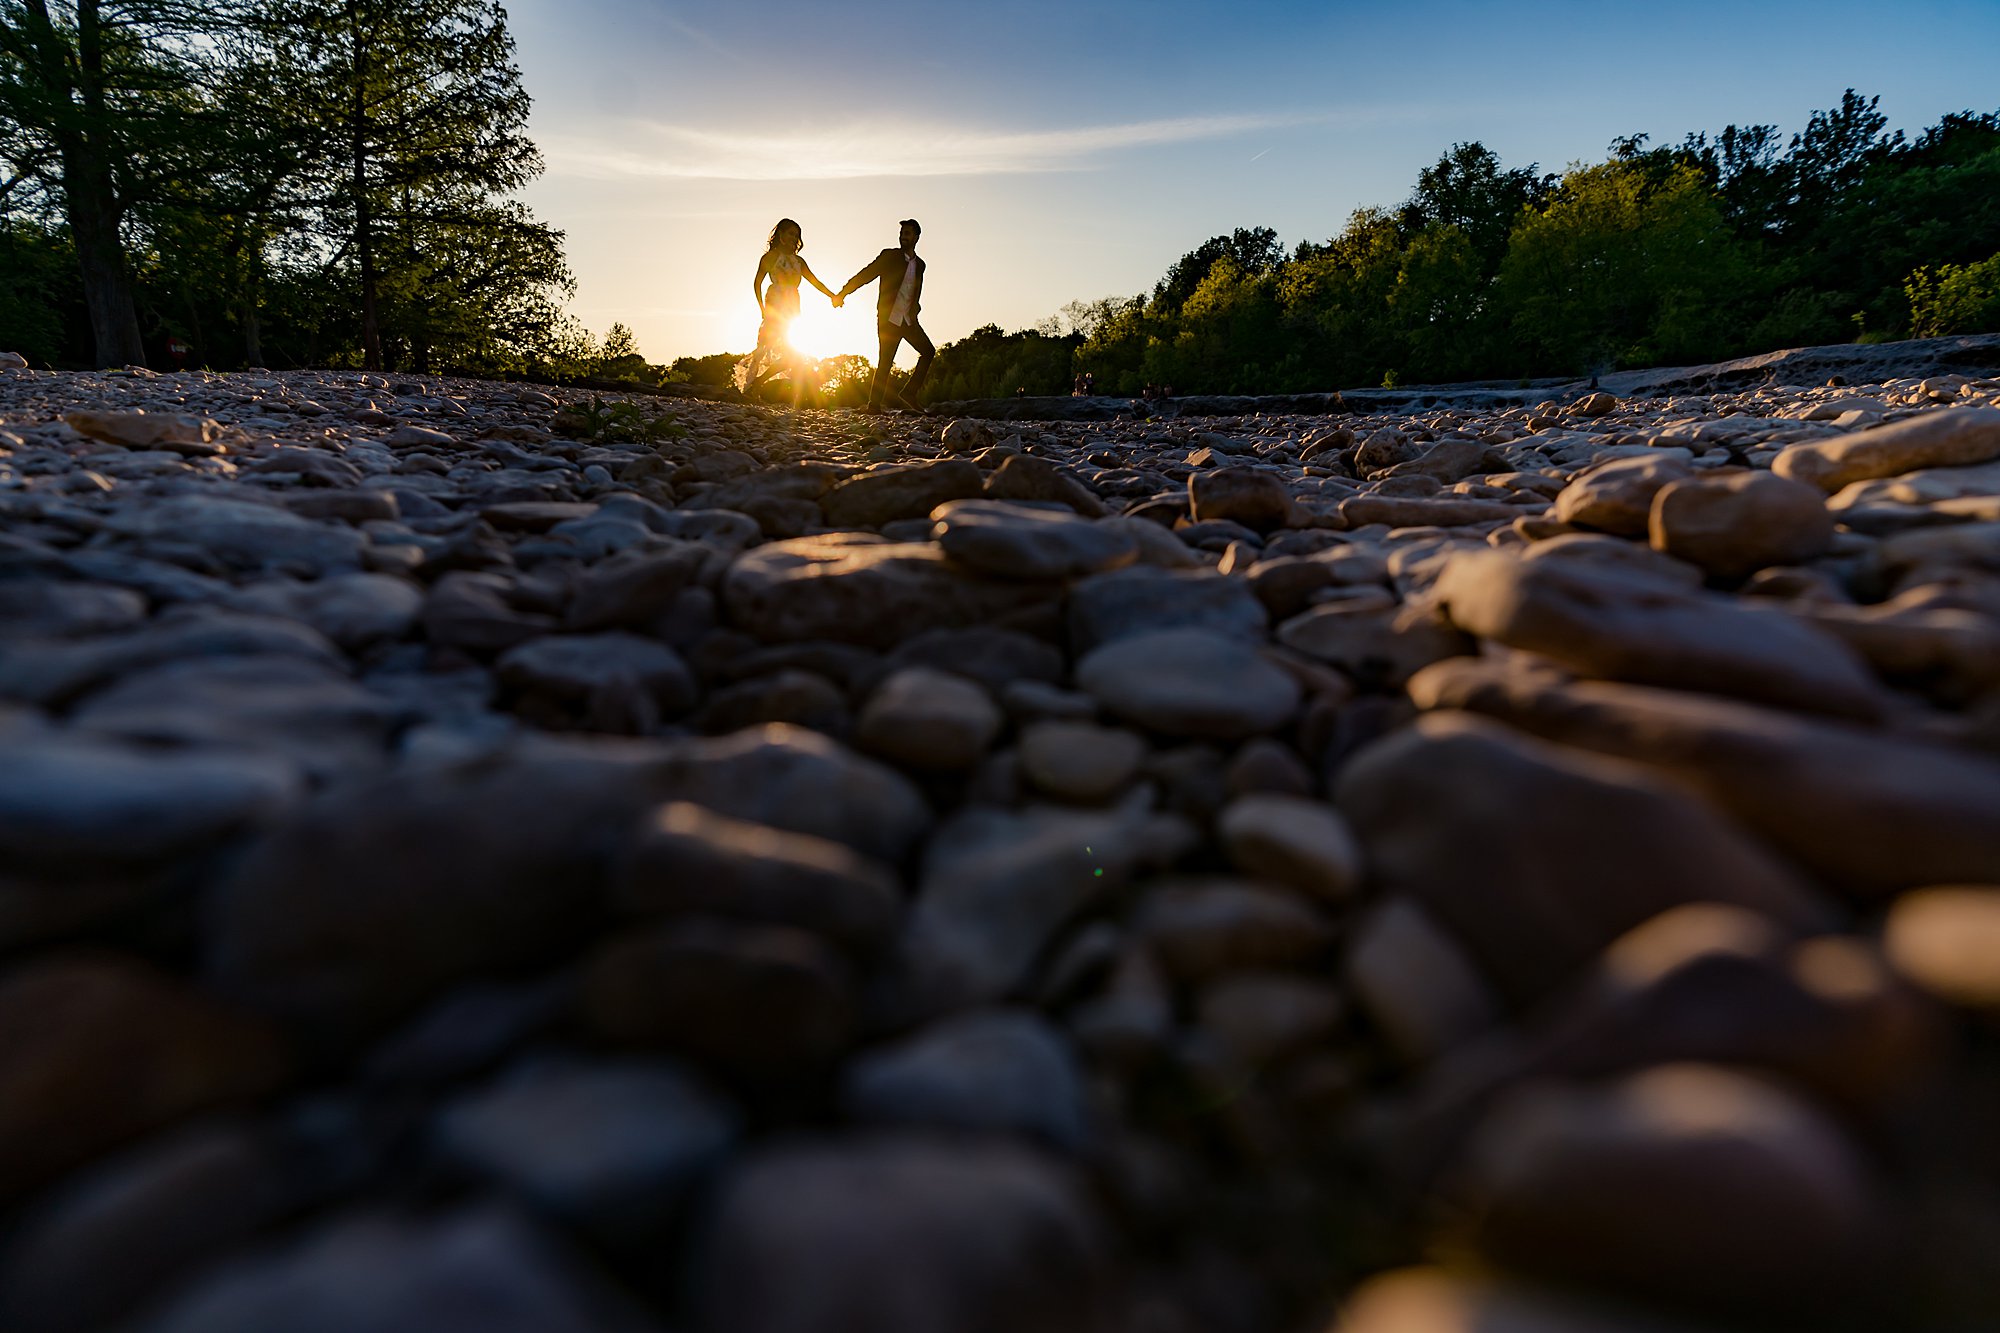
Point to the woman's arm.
(813, 278)
(757, 283)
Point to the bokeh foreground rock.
(1527, 867)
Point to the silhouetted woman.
(784, 266)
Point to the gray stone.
(903, 1236)
(1685, 1183)
(38, 608)
(1254, 497)
(353, 610)
(928, 720)
(1294, 841)
(479, 1270)
(292, 708)
(862, 591)
(690, 860)
(244, 536)
(1080, 761)
(999, 1071)
(1190, 682)
(1374, 644)
(998, 885)
(759, 1002)
(587, 668)
(614, 1145)
(1020, 541)
(76, 804)
(1108, 607)
(54, 674)
(1203, 927)
(127, 1230)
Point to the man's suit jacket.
(890, 267)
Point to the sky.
(1059, 150)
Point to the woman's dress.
(781, 307)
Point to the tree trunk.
(107, 287)
(253, 291)
(364, 240)
(91, 202)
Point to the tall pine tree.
(416, 117)
(100, 109)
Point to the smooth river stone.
(902, 1235)
(1602, 622)
(1869, 812)
(862, 591)
(1080, 761)
(242, 535)
(1019, 541)
(1949, 437)
(1617, 497)
(929, 720)
(1536, 857)
(1190, 682)
(1732, 526)
(76, 804)
(905, 490)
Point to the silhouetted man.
(901, 275)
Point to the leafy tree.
(1955, 299)
(1251, 249)
(989, 363)
(1440, 307)
(1467, 189)
(1617, 271)
(415, 117)
(100, 112)
(38, 281)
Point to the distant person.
(901, 275)
(1076, 387)
(1089, 383)
(784, 266)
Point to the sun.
(820, 331)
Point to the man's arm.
(864, 277)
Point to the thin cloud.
(656, 150)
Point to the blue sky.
(1057, 151)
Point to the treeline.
(275, 182)
(1716, 247)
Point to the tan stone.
(1948, 437)
(1080, 761)
(1603, 622)
(1734, 525)
(1869, 812)
(1292, 840)
(1947, 940)
(1535, 857)
(177, 431)
(1687, 1183)
(1617, 497)
(927, 719)
(1255, 497)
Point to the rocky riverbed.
(481, 858)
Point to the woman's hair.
(779, 230)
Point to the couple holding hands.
(901, 275)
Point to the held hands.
(839, 300)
